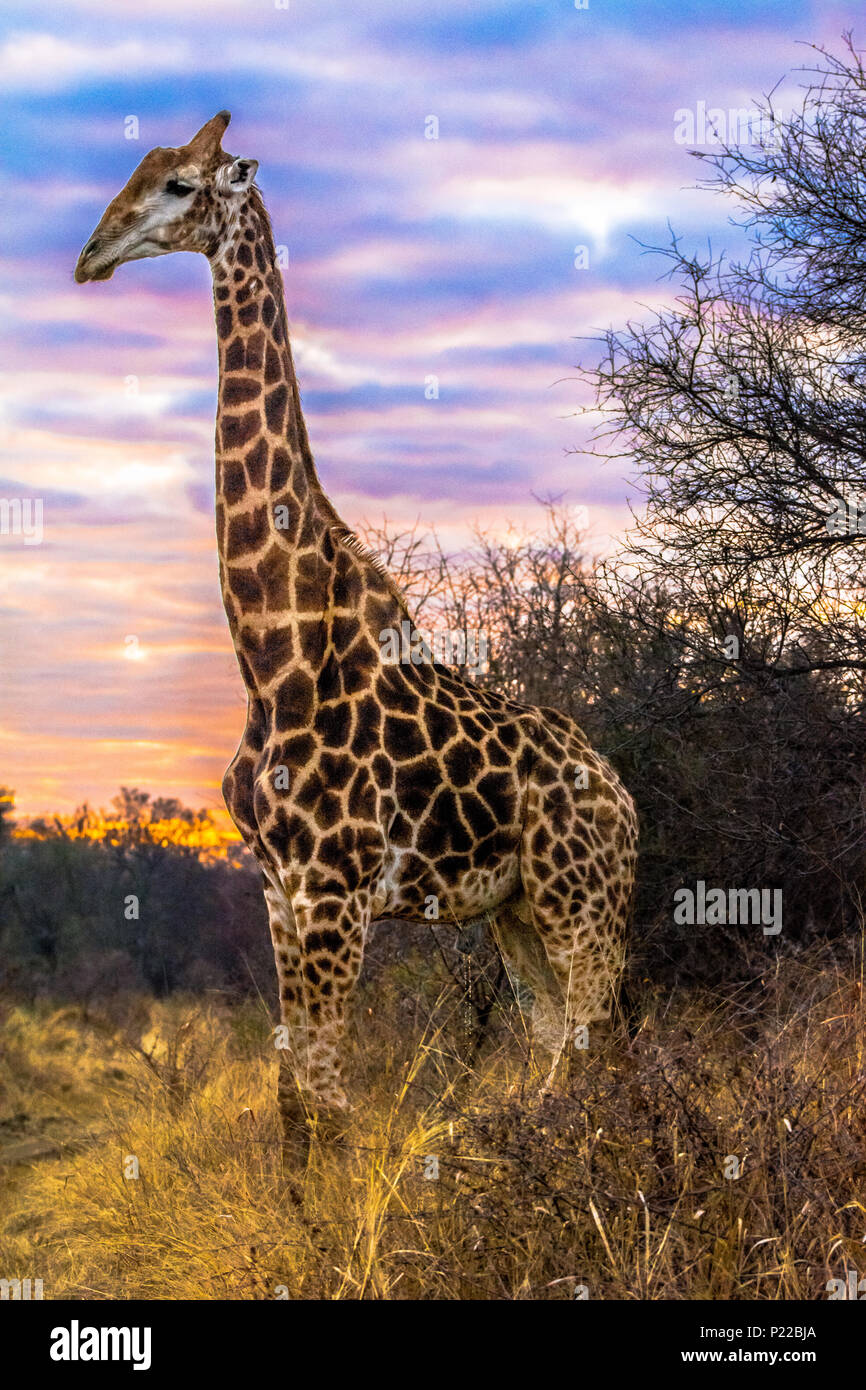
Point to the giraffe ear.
(238, 176)
(208, 138)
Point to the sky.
(479, 257)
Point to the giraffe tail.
(526, 961)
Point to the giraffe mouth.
(98, 260)
(84, 273)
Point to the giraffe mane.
(354, 543)
(347, 537)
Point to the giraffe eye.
(180, 190)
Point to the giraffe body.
(365, 789)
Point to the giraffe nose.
(81, 269)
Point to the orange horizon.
(211, 835)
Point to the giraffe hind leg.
(577, 879)
(571, 974)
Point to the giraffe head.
(177, 200)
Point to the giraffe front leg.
(331, 934)
(291, 1037)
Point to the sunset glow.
(408, 256)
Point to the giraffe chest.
(373, 804)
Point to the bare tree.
(744, 409)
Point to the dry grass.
(616, 1181)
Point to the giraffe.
(365, 788)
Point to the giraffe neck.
(278, 535)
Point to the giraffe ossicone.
(399, 783)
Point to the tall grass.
(716, 1154)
